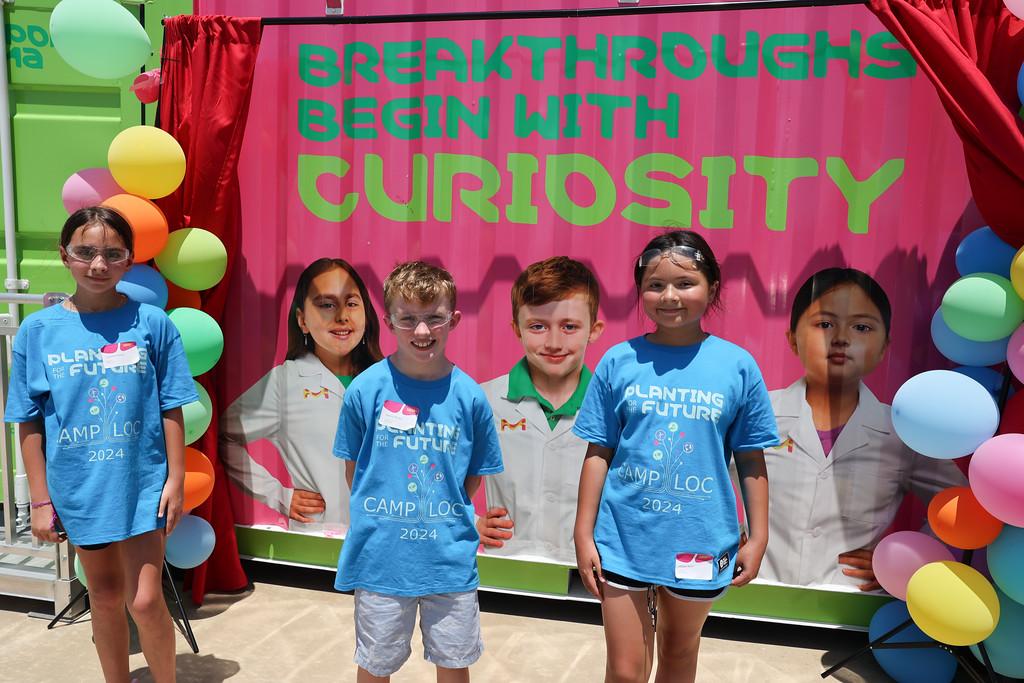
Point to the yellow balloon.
(952, 603)
(146, 161)
(1017, 273)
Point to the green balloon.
(197, 415)
(193, 259)
(982, 307)
(201, 336)
(80, 572)
(100, 38)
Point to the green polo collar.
(520, 386)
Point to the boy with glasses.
(417, 436)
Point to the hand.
(860, 561)
(490, 527)
(172, 500)
(43, 526)
(306, 503)
(588, 562)
(748, 561)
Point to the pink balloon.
(900, 554)
(1015, 351)
(1016, 7)
(996, 473)
(146, 86)
(88, 187)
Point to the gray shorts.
(449, 622)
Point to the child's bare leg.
(364, 676)
(105, 575)
(628, 635)
(143, 558)
(452, 675)
(679, 626)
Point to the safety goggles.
(411, 322)
(672, 253)
(87, 254)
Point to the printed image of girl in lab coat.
(333, 335)
(840, 472)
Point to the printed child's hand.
(748, 561)
(172, 500)
(305, 504)
(588, 562)
(860, 561)
(492, 527)
(43, 526)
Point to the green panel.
(281, 546)
(530, 577)
(801, 604)
(62, 121)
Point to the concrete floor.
(291, 626)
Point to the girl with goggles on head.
(656, 528)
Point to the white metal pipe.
(21, 493)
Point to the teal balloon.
(1004, 646)
(80, 572)
(201, 336)
(99, 38)
(197, 415)
(982, 307)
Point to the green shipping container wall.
(61, 121)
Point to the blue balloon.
(145, 285)
(983, 252)
(918, 665)
(1004, 645)
(190, 543)
(1005, 560)
(986, 377)
(943, 414)
(1020, 84)
(964, 351)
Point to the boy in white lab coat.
(532, 504)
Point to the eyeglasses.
(411, 322)
(87, 254)
(689, 253)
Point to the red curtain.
(972, 51)
(207, 67)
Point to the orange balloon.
(958, 519)
(198, 478)
(182, 298)
(148, 223)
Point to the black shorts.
(626, 583)
(59, 528)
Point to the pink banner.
(792, 139)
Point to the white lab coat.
(295, 407)
(541, 479)
(822, 506)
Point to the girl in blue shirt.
(97, 386)
(656, 521)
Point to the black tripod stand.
(169, 589)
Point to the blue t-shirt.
(101, 403)
(412, 530)
(674, 415)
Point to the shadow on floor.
(206, 668)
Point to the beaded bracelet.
(41, 505)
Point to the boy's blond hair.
(420, 282)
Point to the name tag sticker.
(120, 354)
(695, 566)
(398, 416)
